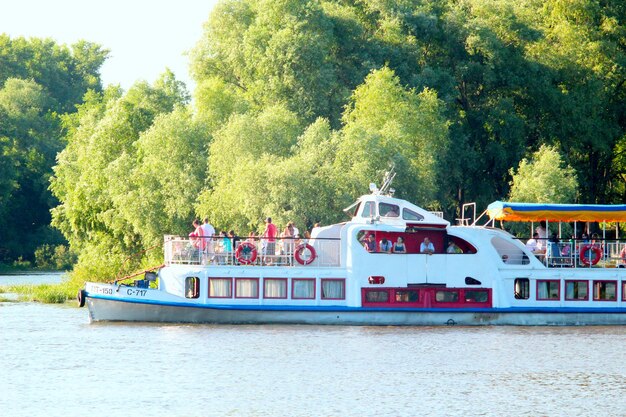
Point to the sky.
(144, 36)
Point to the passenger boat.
(489, 278)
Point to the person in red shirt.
(269, 235)
(197, 238)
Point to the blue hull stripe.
(571, 310)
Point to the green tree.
(386, 123)
(543, 179)
(93, 171)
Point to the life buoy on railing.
(300, 250)
(246, 253)
(597, 252)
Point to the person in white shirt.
(531, 244)
(209, 232)
(427, 246)
(385, 245)
(542, 236)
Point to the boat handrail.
(283, 251)
(576, 253)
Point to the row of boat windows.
(575, 290)
(272, 288)
(393, 295)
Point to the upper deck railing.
(255, 251)
(581, 254)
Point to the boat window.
(522, 288)
(303, 288)
(333, 289)
(192, 287)
(275, 288)
(376, 296)
(407, 296)
(445, 296)
(508, 252)
(388, 210)
(411, 215)
(548, 290)
(576, 290)
(605, 290)
(220, 287)
(624, 291)
(369, 209)
(471, 281)
(246, 288)
(476, 296)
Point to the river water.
(53, 362)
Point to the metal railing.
(289, 252)
(579, 254)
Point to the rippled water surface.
(53, 362)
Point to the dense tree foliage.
(39, 81)
(543, 179)
(299, 105)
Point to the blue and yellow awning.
(527, 212)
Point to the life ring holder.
(597, 255)
(239, 253)
(300, 249)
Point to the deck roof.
(500, 210)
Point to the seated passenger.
(399, 246)
(370, 243)
(385, 245)
(427, 247)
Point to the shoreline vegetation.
(49, 293)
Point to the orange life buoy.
(597, 252)
(246, 253)
(300, 250)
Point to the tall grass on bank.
(44, 293)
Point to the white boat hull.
(113, 310)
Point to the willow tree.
(96, 166)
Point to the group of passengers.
(553, 248)
(387, 246)
(220, 247)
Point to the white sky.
(143, 36)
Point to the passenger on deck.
(531, 244)
(234, 239)
(542, 238)
(294, 230)
(209, 231)
(595, 241)
(427, 246)
(269, 234)
(226, 247)
(622, 258)
(453, 248)
(370, 243)
(385, 245)
(286, 238)
(399, 246)
(197, 236)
